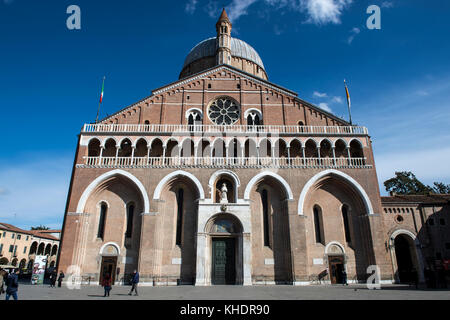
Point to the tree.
(41, 227)
(406, 183)
(441, 188)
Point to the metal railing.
(244, 129)
(244, 162)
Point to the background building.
(19, 247)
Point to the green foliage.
(405, 182)
(41, 227)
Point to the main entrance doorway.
(223, 261)
(108, 266)
(336, 266)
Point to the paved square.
(282, 292)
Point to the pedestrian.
(12, 285)
(53, 277)
(344, 278)
(107, 284)
(3, 274)
(60, 279)
(134, 283)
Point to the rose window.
(224, 111)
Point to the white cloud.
(324, 11)
(319, 94)
(325, 107)
(317, 11)
(191, 6)
(387, 4)
(337, 100)
(355, 31)
(238, 8)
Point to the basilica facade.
(223, 177)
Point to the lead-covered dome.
(208, 48)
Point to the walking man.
(12, 285)
(134, 283)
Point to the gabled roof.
(35, 233)
(441, 199)
(240, 73)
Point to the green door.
(223, 262)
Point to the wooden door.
(109, 265)
(223, 261)
(336, 265)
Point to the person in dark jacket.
(60, 279)
(53, 277)
(134, 283)
(107, 284)
(344, 277)
(12, 285)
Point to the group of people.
(107, 283)
(54, 277)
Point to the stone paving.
(282, 292)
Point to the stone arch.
(103, 248)
(94, 184)
(170, 176)
(259, 176)
(216, 175)
(340, 175)
(415, 252)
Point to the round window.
(224, 111)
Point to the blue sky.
(50, 77)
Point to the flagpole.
(101, 98)
(348, 102)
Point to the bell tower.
(223, 40)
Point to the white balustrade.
(243, 162)
(262, 129)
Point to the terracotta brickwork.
(303, 198)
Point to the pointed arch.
(91, 187)
(263, 174)
(338, 174)
(170, 176)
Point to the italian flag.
(103, 87)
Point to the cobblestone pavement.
(324, 292)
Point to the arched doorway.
(109, 254)
(225, 233)
(406, 270)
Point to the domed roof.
(239, 48)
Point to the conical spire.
(223, 17)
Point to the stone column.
(201, 269)
(247, 257)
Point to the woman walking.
(107, 284)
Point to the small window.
(11, 248)
(146, 122)
(431, 221)
(209, 85)
(12, 235)
(238, 85)
(188, 97)
(28, 237)
(19, 236)
(25, 250)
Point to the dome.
(239, 48)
